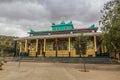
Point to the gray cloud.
(18, 16)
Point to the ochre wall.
(60, 53)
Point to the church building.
(60, 41)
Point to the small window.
(66, 28)
(57, 28)
(60, 45)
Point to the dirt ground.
(59, 71)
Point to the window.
(49, 45)
(62, 46)
(66, 28)
(54, 46)
(90, 43)
(57, 28)
(32, 45)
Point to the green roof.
(62, 24)
(59, 35)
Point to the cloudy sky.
(17, 17)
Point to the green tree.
(81, 46)
(111, 23)
(77, 45)
(6, 47)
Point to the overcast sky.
(17, 17)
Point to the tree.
(81, 46)
(6, 47)
(111, 23)
(77, 45)
(7, 43)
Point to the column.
(56, 45)
(69, 46)
(26, 46)
(20, 47)
(44, 45)
(95, 47)
(36, 45)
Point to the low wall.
(115, 55)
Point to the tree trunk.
(84, 64)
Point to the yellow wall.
(60, 53)
(63, 53)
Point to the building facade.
(59, 42)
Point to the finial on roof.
(70, 22)
(53, 23)
(31, 30)
(62, 22)
(92, 26)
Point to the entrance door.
(40, 48)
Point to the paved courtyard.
(59, 71)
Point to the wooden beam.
(95, 46)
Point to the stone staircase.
(101, 60)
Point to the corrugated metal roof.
(59, 35)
